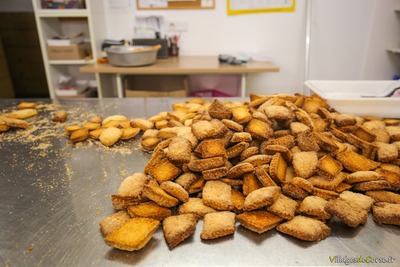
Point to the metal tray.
(53, 197)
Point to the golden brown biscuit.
(386, 213)
(198, 165)
(79, 135)
(302, 183)
(325, 183)
(241, 137)
(284, 151)
(186, 179)
(133, 235)
(179, 227)
(179, 150)
(158, 195)
(238, 200)
(353, 161)
(305, 163)
(307, 141)
(60, 116)
(130, 191)
(261, 197)
(305, 228)
(328, 167)
(92, 125)
(315, 207)
(363, 176)
(142, 124)
(350, 213)
(234, 126)
(26, 105)
(248, 152)
(113, 222)
(284, 207)
(259, 221)
(197, 186)
(387, 152)
(110, 136)
(241, 114)
(277, 168)
(325, 194)
(203, 129)
(345, 119)
(239, 170)
(218, 110)
(164, 171)
(15, 123)
(251, 183)
(195, 206)
(128, 133)
(217, 195)
(258, 160)
(278, 113)
(212, 148)
(364, 134)
(236, 150)
(262, 175)
(294, 191)
(371, 185)
(214, 174)
(394, 132)
(175, 190)
(392, 177)
(149, 210)
(297, 128)
(218, 224)
(259, 129)
(23, 114)
(362, 200)
(384, 196)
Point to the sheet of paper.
(152, 3)
(255, 6)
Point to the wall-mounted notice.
(175, 4)
(237, 7)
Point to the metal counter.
(53, 195)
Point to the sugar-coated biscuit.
(314, 206)
(351, 214)
(384, 196)
(284, 207)
(195, 206)
(110, 136)
(261, 197)
(386, 213)
(305, 163)
(177, 228)
(218, 224)
(217, 195)
(113, 222)
(305, 228)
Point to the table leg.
(243, 87)
(120, 91)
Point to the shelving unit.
(52, 22)
(395, 50)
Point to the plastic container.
(362, 98)
(224, 85)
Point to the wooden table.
(182, 65)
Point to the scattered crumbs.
(29, 250)
(69, 172)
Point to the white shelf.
(71, 62)
(62, 13)
(55, 22)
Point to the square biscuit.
(149, 210)
(351, 214)
(212, 148)
(386, 213)
(362, 200)
(217, 195)
(305, 163)
(305, 228)
(314, 206)
(284, 207)
(384, 196)
(259, 221)
(261, 197)
(195, 206)
(218, 224)
(113, 222)
(179, 227)
(133, 235)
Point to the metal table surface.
(53, 195)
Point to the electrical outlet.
(177, 26)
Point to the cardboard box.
(156, 86)
(68, 52)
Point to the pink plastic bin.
(214, 85)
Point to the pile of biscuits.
(17, 119)
(289, 162)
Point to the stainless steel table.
(53, 195)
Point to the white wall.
(349, 39)
(211, 32)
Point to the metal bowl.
(131, 56)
